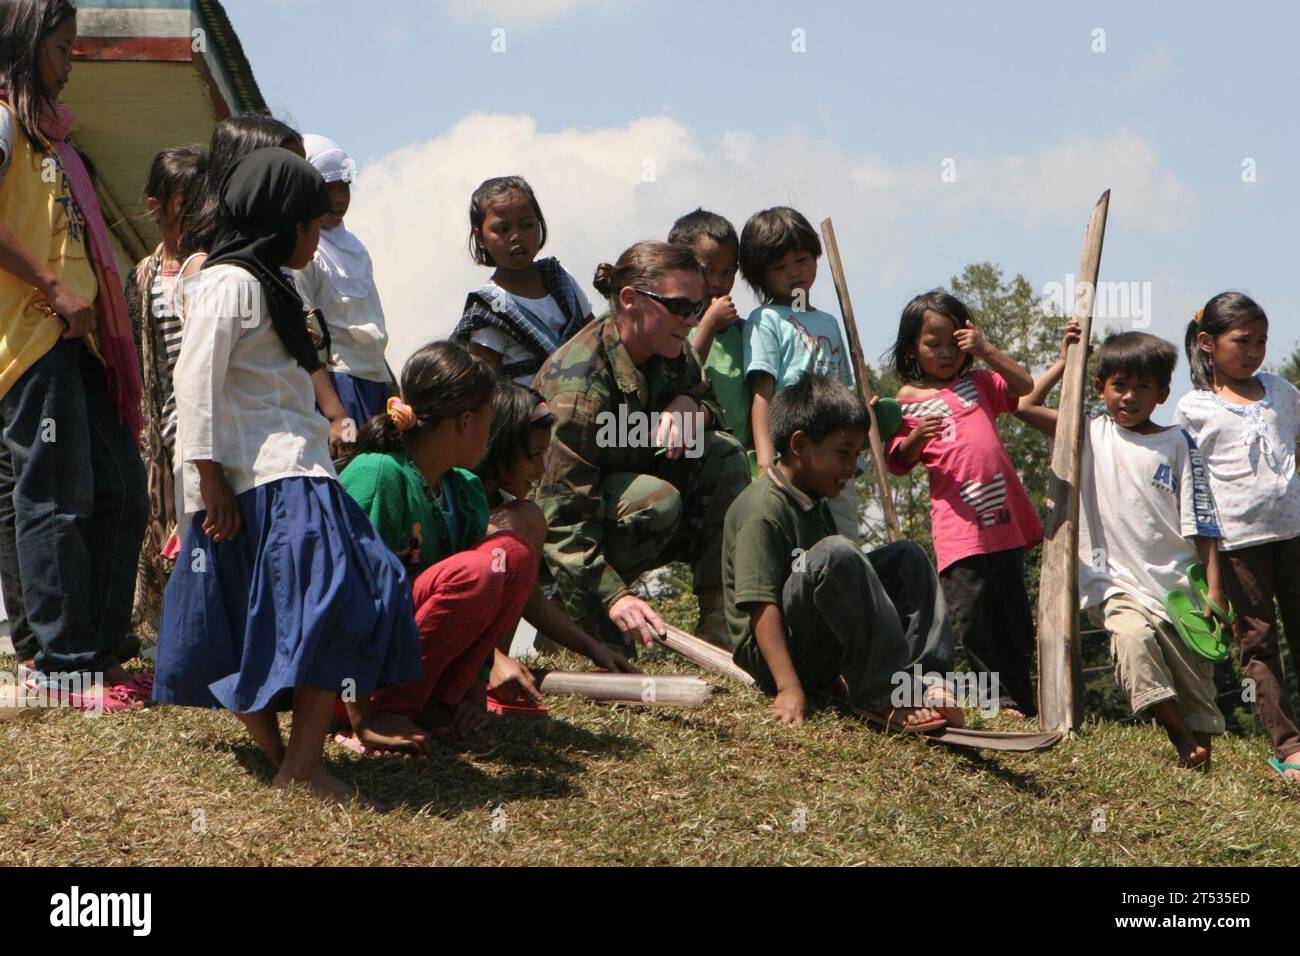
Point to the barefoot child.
(515, 459)
(719, 339)
(232, 140)
(981, 519)
(1246, 423)
(805, 607)
(470, 581)
(1145, 516)
(340, 282)
(530, 306)
(283, 591)
(151, 299)
(785, 336)
(69, 380)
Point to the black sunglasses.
(678, 305)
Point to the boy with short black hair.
(805, 607)
(1145, 516)
(718, 340)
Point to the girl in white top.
(283, 593)
(530, 306)
(1246, 423)
(340, 283)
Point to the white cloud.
(604, 188)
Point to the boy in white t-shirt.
(1146, 515)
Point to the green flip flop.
(889, 417)
(1282, 768)
(1196, 575)
(1204, 637)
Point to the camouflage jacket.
(584, 383)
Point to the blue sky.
(1035, 121)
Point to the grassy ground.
(622, 785)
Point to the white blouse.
(1250, 453)
(358, 335)
(241, 399)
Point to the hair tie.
(540, 410)
(401, 414)
(1199, 313)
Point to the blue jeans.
(80, 503)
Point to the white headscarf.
(340, 255)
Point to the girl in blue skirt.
(282, 595)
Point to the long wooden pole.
(1060, 669)
(860, 373)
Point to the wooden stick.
(860, 373)
(659, 690)
(708, 656)
(1060, 667)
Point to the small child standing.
(785, 336)
(284, 591)
(806, 609)
(152, 301)
(530, 306)
(1145, 516)
(719, 339)
(340, 283)
(1247, 423)
(981, 519)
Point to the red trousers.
(464, 605)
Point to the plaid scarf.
(493, 307)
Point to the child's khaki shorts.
(1153, 664)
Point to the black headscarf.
(263, 199)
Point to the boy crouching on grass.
(805, 607)
(1145, 516)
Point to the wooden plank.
(1060, 678)
(860, 373)
(655, 690)
(716, 660)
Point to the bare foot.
(1194, 757)
(1013, 713)
(264, 728)
(944, 702)
(323, 785)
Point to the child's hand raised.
(720, 314)
(1072, 334)
(972, 341)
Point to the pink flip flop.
(513, 705)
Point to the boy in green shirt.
(718, 340)
(805, 607)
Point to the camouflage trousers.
(675, 513)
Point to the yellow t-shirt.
(36, 206)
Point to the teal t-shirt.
(725, 370)
(414, 524)
(785, 344)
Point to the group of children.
(318, 537)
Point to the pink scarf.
(113, 326)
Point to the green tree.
(1290, 369)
